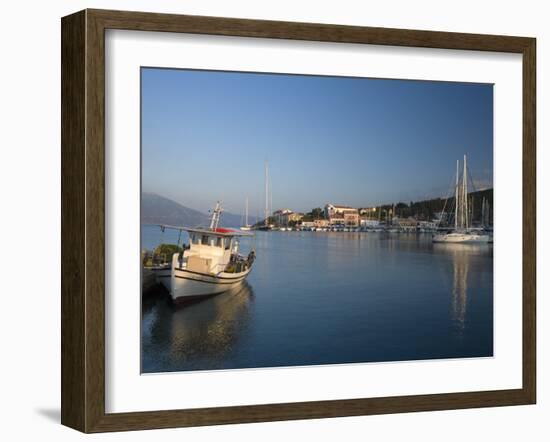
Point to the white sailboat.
(462, 232)
(211, 264)
(246, 226)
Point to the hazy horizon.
(361, 142)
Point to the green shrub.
(164, 252)
(167, 249)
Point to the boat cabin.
(220, 242)
(210, 250)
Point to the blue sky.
(354, 141)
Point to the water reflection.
(462, 256)
(326, 298)
(199, 334)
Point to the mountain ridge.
(157, 209)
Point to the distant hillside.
(428, 208)
(156, 209)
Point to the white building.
(331, 210)
(365, 222)
(285, 216)
(281, 212)
(427, 224)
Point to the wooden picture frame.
(83, 220)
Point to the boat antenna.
(216, 216)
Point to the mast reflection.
(462, 256)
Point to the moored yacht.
(464, 237)
(463, 232)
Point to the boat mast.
(471, 217)
(465, 190)
(456, 196)
(266, 193)
(215, 216)
(485, 213)
(246, 213)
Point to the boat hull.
(163, 276)
(159, 274)
(186, 285)
(461, 238)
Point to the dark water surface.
(329, 298)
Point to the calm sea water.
(329, 298)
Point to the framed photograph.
(270, 220)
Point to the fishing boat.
(210, 264)
(462, 233)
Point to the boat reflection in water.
(463, 258)
(195, 336)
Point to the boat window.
(194, 238)
(227, 243)
(204, 240)
(219, 242)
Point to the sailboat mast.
(246, 213)
(465, 184)
(266, 193)
(456, 196)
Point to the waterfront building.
(321, 223)
(405, 223)
(351, 218)
(285, 216)
(366, 222)
(337, 220)
(333, 209)
(367, 211)
(427, 224)
(339, 214)
(282, 212)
